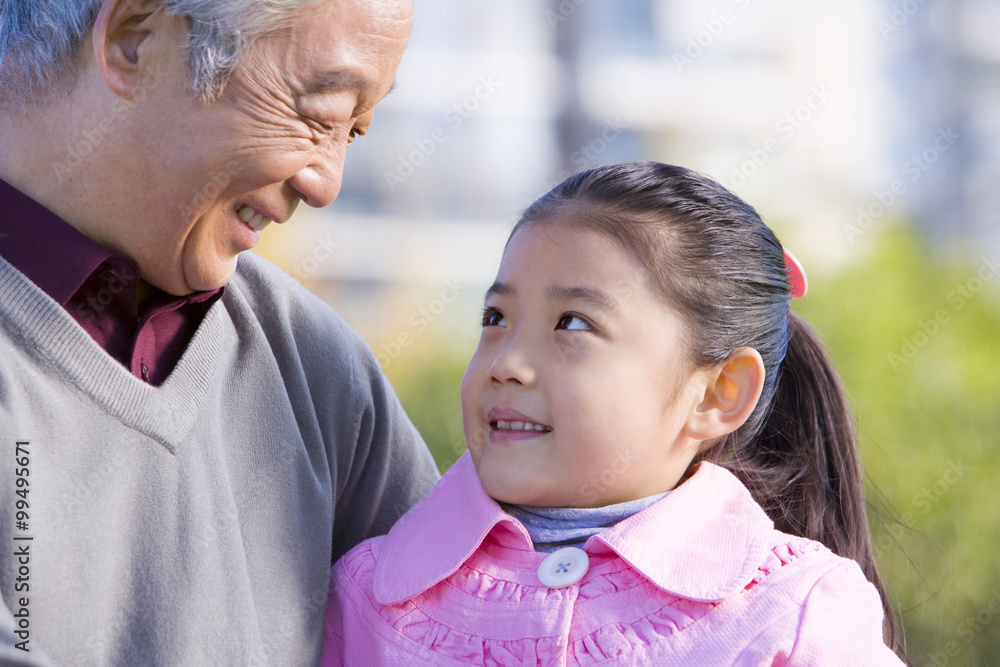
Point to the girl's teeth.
(254, 220)
(520, 426)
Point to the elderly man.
(188, 438)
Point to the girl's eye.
(573, 323)
(493, 318)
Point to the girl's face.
(579, 391)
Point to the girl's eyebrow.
(499, 289)
(595, 297)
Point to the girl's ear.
(131, 39)
(731, 393)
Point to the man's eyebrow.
(594, 297)
(334, 81)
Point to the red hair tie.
(796, 275)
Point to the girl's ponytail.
(804, 465)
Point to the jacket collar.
(703, 541)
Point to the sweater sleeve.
(841, 623)
(346, 409)
(391, 468)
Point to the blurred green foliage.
(428, 383)
(917, 341)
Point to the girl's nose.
(513, 364)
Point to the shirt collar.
(432, 540)
(53, 254)
(703, 541)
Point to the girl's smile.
(507, 425)
(561, 387)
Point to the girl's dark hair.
(711, 257)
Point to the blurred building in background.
(945, 71)
(834, 119)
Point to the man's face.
(214, 175)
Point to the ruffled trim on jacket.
(664, 614)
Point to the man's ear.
(129, 38)
(731, 393)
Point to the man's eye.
(573, 323)
(493, 318)
(317, 126)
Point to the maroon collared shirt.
(98, 288)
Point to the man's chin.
(206, 279)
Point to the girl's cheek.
(571, 346)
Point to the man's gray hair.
(40, 39)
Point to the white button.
(564, 567)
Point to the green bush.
(428, 383)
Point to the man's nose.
(318, 183)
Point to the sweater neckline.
(551, 528)
(49, 334)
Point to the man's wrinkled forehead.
(354, 41)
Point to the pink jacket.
(699, 578)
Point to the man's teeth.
(521, 426)
(254, 220)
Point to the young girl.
(661, 466)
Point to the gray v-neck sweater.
(192, 523)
